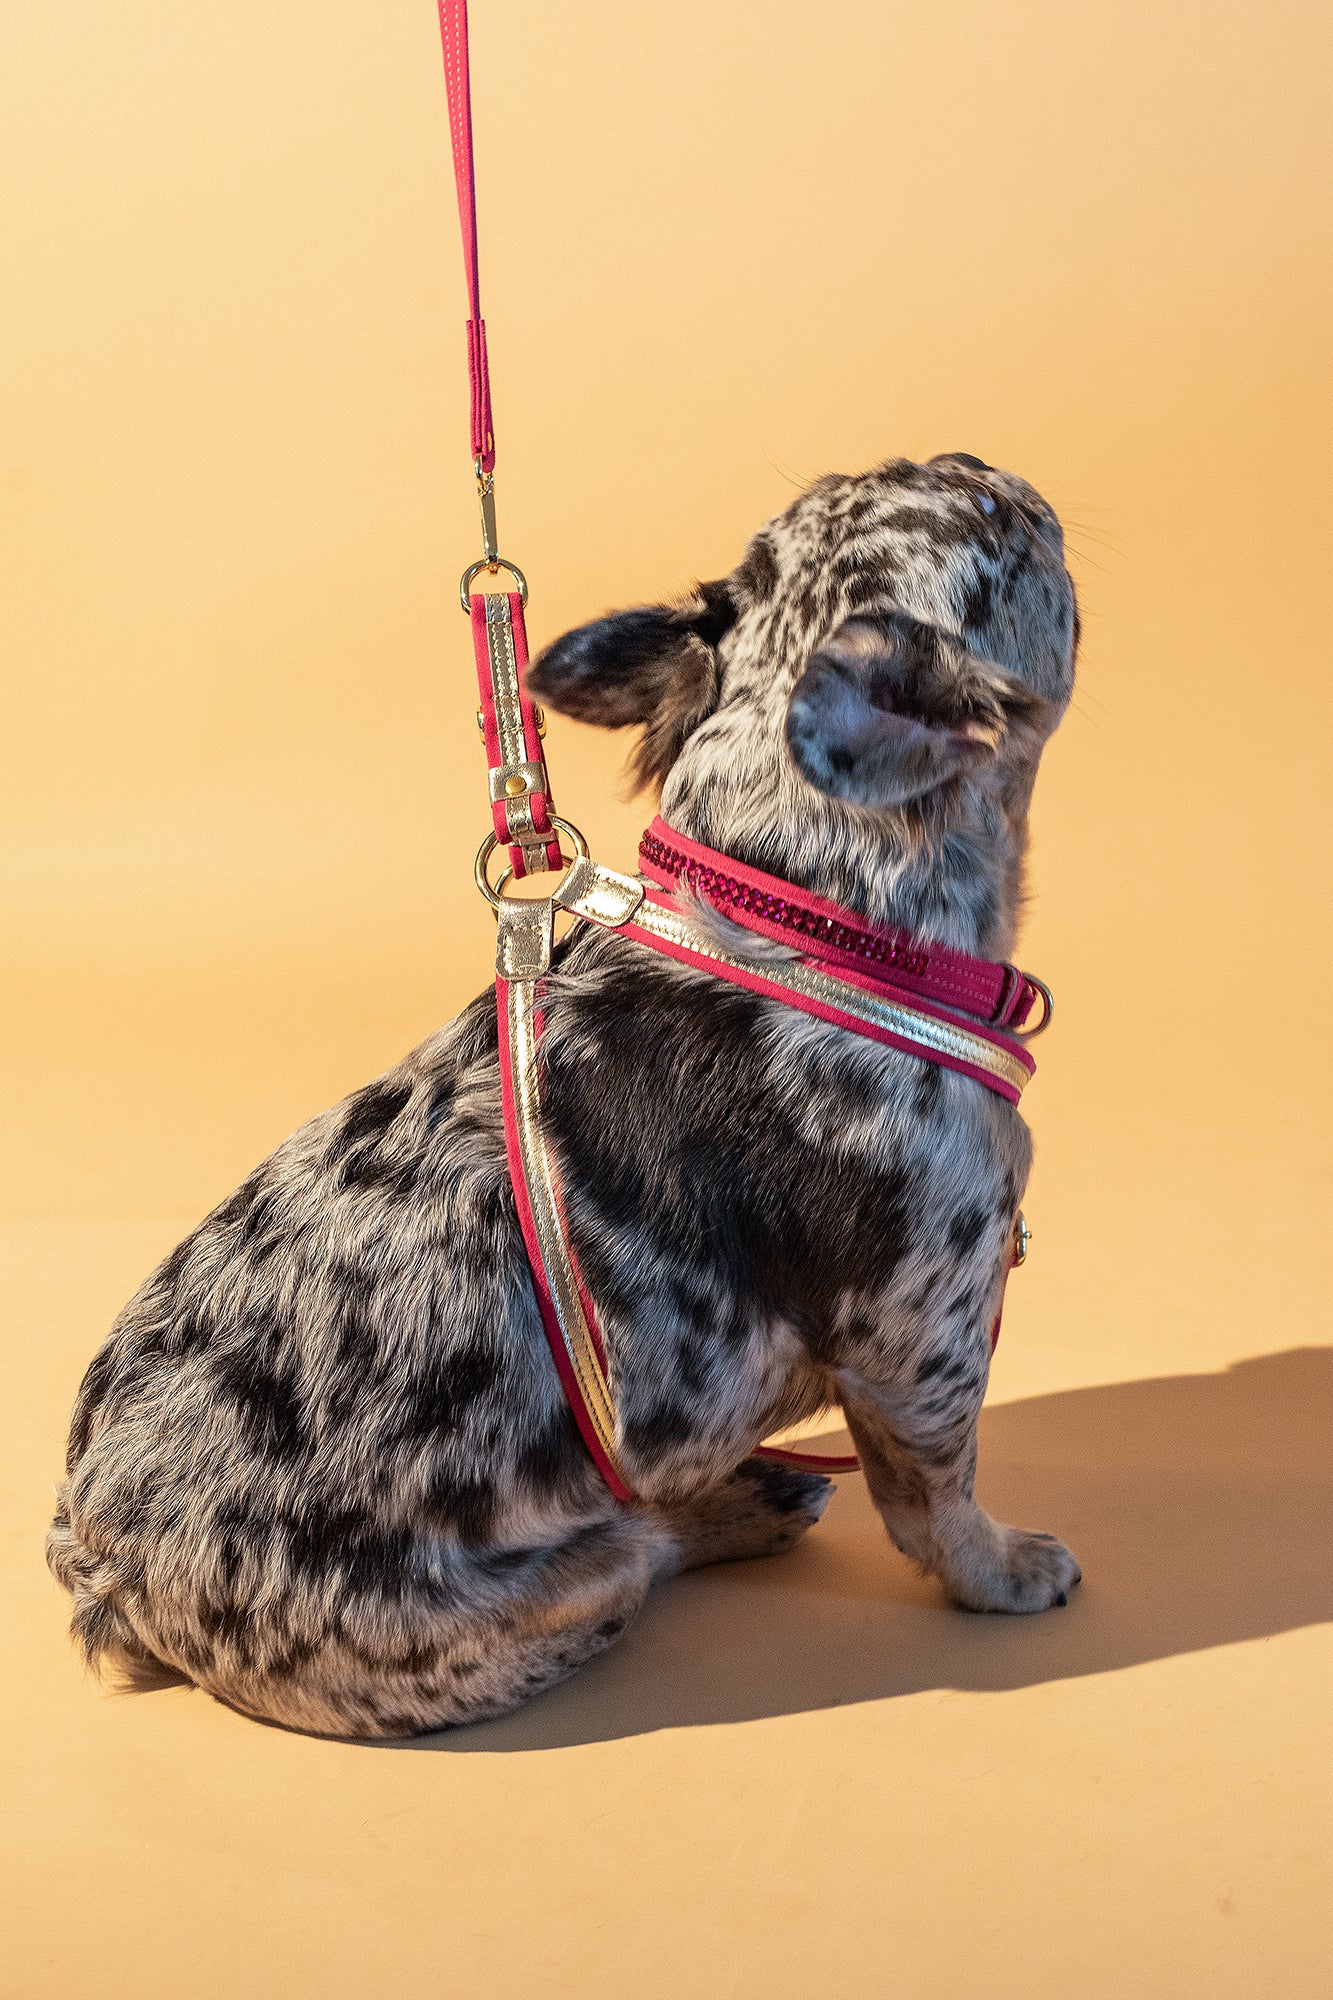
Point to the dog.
(323, 1466)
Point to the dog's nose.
(961, 458)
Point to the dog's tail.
(110, 1643)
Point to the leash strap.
(511, 726)
(453, 41)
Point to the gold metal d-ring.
(1030, 1034)
(492, 563)
(492, 841)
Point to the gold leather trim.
(932, 1036)
(602, 894)
(533, 780)
(593, 1385)
(525, 933)
(509, 728)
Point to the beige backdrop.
(724, 248)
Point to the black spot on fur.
(660, 1426)
(441, 1103)
(938, 531)
(943, 1365)
(927, 1090)
(453, 1379)
(554, 1459)
(759, 574)
(372, 1110)
(978, 603)
(461, 1501)
(268, 1405)
(965, 1228)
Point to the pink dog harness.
(939, 1005)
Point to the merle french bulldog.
(323, 1466)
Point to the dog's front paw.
(1021, 1570)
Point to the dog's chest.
(718, 1147)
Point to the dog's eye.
(986, 502)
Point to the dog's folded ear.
(657, 666)
(890, 707)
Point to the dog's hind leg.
(462, 1643)
(760, 1510)
(917, 1443)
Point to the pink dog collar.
(999, 994)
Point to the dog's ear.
(657, 666)
(890, 708)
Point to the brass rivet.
(514, 785)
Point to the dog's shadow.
(1201, 1508)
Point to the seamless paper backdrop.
(724, 249)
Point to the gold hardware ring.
(488, 846)
(1030, 1034)
(492, 563)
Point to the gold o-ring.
(1030, 1034)
(492, 841)
(492, 563)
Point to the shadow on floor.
(1200, 1506)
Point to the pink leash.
(947, 1008)
(511, 725)
(458, 82)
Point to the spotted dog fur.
(323, 1466)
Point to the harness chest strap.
(619, 902)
